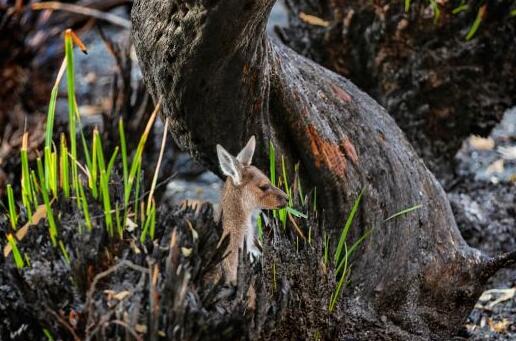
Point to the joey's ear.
(229, 165)
(246, 155)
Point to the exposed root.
(495, 264)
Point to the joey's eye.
(264, 187)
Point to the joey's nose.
(283, 198)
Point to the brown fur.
(237, 206)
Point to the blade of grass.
(158, 165)
(259, 227)
(461, 8)
(407, 5)
(48, 335)
(13, 216)
(92, 179)
(476, 24)
(123, 147)
(18, 259)
(50, 216)
(64, 252)
(402, 212)
(35, 189)
(49, 130)
(111, 163)
(99, 152)
(436, 10)
(352, 249)
(326, 247)
(299, 188)
(26, 187)
(64, 168)
(72, 106)
(137, 200)
(285, 181)
(296, 213)
(85, 209)
(136, 163)
(335, 296)
(344, 233)
(272, 163)
(148, 227)
(106, 201)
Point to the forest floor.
(483, 195)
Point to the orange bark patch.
(349, 149)
(341, 93)
(326, 153)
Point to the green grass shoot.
(26, 187)
(106, 201)
(403, 212)
(149, 226)
(342, 281)
(326, 248)
(48, 334)
(349, 252)
(84, 207)
(93, 169)
(64, 172)
(299, 187)
(436, 10)
(50, 216)
(18, 259)
(259, 227)
(123, 146)
(137, 159)
(66, 256)
(461, 8)
(272, 163)
(11, 203)
(407, 5)
(72, 107)
(345, 230)
(476, 24)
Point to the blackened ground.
(483, 199)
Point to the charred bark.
(221, 79)
(439, 87)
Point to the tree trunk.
(221, 79)
(439, 87)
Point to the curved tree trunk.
(222, 79)
(438, 86)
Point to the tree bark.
(221, 79)
(439, 87)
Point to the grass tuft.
(13, 216)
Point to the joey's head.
(246, 182)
